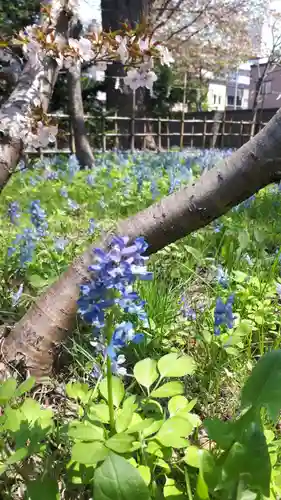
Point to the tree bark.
(83, 149)
(34, 339)
(114, 13)
(36, 79)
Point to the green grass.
(245, 246)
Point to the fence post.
(133, 123)
(159, 131)
(103, 133)
(183, 110)
(204, 132)
(116, 130)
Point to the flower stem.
(110, 394)
(109, 332)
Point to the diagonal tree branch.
(258, 163)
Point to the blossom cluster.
(25, 242)
(224, 314)
(113, 274)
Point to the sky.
(89, 10)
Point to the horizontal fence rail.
(146, 133)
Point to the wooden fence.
(131, 133)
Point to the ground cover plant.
(170, 387)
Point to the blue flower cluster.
(224, 314)
(114, 272)
(38, 218)
(13, 211)
(26, 241)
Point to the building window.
(230, 100)
(266, 88)
(215, 98)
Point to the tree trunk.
(83, 149)
(34, 339)
(114, 13)
(38, 79)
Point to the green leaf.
(169, 389)
(117, 388)
(140, 426)
(174, 431)
(99, 412)
(249, 458)
(85, 432)
(244, 239)
(25, 386)
(45, 489)
(171, 491)
(176, 404)
(145, 372)
(121, 443)
(78, 391)
(223, 433)
(18, 456)
(144, 471)
(116, 479)
(173, 365)
(124, 416)
(157, 424)
(7, 390)
(192, 456)
(263, 387)
(89, 453)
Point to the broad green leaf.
(79, 473)
(144, 471)
(13, 419)
(157, 424)
(85, 432)
(174, 432)
(18, 456)
(124, 416)
(176, 404)
(89, 453)
(32, 412)
(78, 391)
(99, 412)
(116, 479)
(7, 390)
(25, 386)
(223, 433)
(192, 456)
(140, 426)
(169, 389)
(117, 389)
(248, 458)
(45, 489)
(171, 491)
(173, 365)
(244, 239)
(202, 491)
(263, 387)
(193, 251)
(121, 443)
(145, 372)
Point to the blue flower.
(38, 218)
(90, 180)
(63, 192)
(60, 243)
(17, 295)
(73, 166)
(73, 205)
(13, 211)
(114, 272)
(92, 226)
(223, 314)
(26, 243)
(222, 276)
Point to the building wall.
(216, 96)
(271, 87)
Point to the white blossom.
(122, 50)
(165, 56)
(136, 79)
